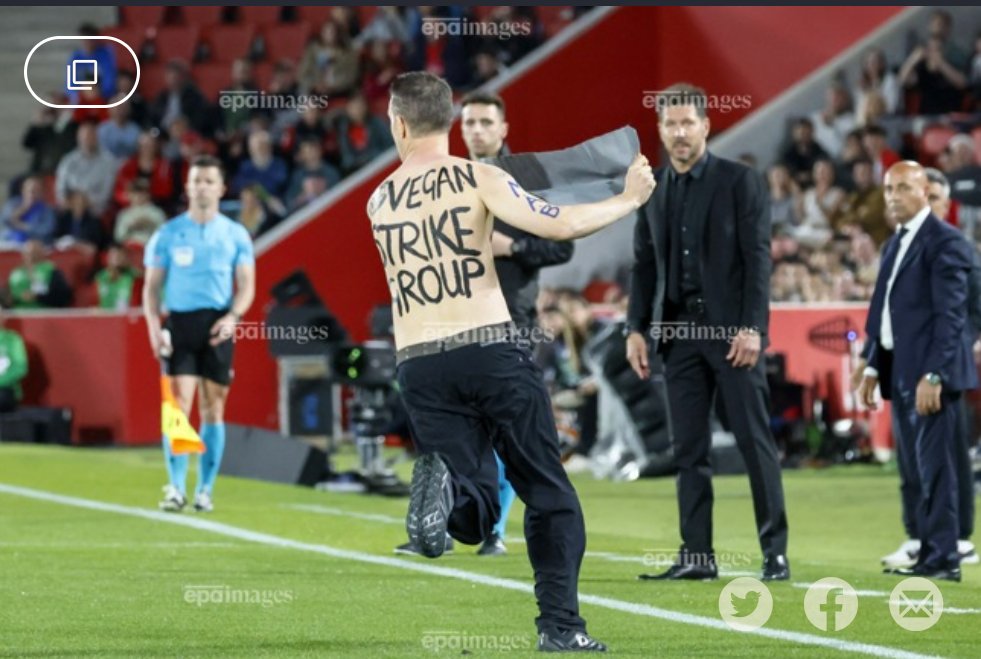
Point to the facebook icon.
(831, 604)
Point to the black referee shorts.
(190, 334)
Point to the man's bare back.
(432, 228)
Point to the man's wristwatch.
(932, 378)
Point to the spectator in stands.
(309, 162)
(347, 19)
(864, 257)
(875, 141)
(138, 109)
(873, 110)
(964, 175)
(940, 25)
(235, 118)
(262, 166)
(362, 136)
(817, 206)
(312, 187)
(939, 83)
(283, 83)
(49, 137)
(380, 68)
(118, 135)
(803, 152)
(140, 218)
(865, 207)
(180, 135)
(852, 151)
(104, 70)
(254, 212)
(835, 120)
(311, 126)
(330, 64)
(975, 79)
(88, 168)
(27, 216)
(38, 282)
(520, 23)
(486, 68)
(114, 282)
(78, 225)
(13, 367)
(150, 166)
(180, 98)
(387, 25)
(876, 78)
(783, 193)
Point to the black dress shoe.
(944, 574)
(568, 640)
(681, 571)
(776, 568)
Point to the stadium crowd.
(100, 181)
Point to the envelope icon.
(916, 604)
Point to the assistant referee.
(204, 264)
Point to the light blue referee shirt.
(200, 260)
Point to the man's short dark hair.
(209, 161)
(88, 30)
(680, 94)
(862, 160)
(483, 98)
(424, 101)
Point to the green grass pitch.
(81, 582)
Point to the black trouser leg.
(904, 433)
(690, 384)
(746, 398)
(965, 473)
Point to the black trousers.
(465, 402)
(695, 371)
(929, 445)
(909, 483)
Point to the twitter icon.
(745, 604)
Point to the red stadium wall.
(594, 85)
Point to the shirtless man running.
(465, 384)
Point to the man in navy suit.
(920, 356)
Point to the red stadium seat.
(365, 14)
(934, 141)
(230, 42)
(151, 80)
(86, 295)
(177, 41)
(133, 36)
(212, 77)
(201, 15)
(482, 12)
(258, 15)
(316, 15)
(142, 16)
(286, 41)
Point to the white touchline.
(453, 573)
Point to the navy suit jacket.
(928, 305)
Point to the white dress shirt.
(885, 329)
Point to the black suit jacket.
(732, 218)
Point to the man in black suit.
(919, 354)
(700, 288)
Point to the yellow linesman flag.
(176, 428)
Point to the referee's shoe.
(173, 501)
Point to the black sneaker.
(408, 549)
(492, 546)
(430, 504)
(568, 640)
